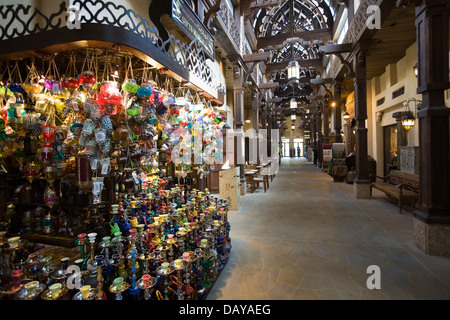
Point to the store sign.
(191, 25)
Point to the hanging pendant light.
(293, 70)
(409, 117)
(408, 121)
(293, 104)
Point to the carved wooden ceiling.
(289, 30)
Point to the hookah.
(13, 247)
(81, 242)
(61, 275)
(140, 235)
(189, 258)
(165, 270)
(33, 260)
(197, 272)
(91, 237)
(107, 269)
(118, 286)
(178, 265)
(206, 264)
(133, 289)
(12, 288)
(146, 282)
(101, 263)
(149, 237)
(31, 290)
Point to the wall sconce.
(379, 116)
(409, 118)
(333, 103)
(416, 70)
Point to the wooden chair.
(262, 178)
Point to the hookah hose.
(158, 294)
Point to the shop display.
(113, 170)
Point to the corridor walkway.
(310, 238)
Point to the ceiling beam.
(278, 40)
(279, 66)
(260, 56)
(268, 85)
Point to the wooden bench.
(401, 185)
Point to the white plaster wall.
(405, 77)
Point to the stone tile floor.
(309, 238)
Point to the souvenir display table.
(99, 167)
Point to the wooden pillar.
(315, 146)
(362, 182)
(255, 120)
(238, 98)
(337, 111)
(326, 126)
(320, 137)
(269, 130)
(432, 219)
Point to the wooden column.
(326, 127)
(255, 119)
(337, 111)
(238, 94)
(315, 142)
(361, 185)
(320, 137)
(432, 219)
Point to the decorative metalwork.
(226, 17)
(308, 15)
(354, 31)
(18, 20)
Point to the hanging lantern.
(31, 171)
(293, 70)
(293, 104)
(83, 168)
(70, 83)
(408, 121)
(50, 197)
(87, 79)
(109, 94)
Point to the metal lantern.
(293, 104)
(408, 121)
(293, 70)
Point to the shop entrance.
(298, 145)
(390, 148)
